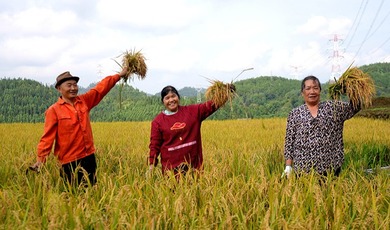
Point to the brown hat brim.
(66, 79)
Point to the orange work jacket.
(70, 127)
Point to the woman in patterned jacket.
(314, 133)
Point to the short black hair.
(310, 77)
(168, 89)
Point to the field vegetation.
(26, 100)
(241, 186)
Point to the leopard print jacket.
(317, 143)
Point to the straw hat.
(64, 77)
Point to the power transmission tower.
(296, 72)
(199, 95)
(100, 71)
(336, 57)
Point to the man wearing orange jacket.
(67, 123)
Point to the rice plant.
(220, 92)
(135, 61)
(240, 187)
(356, 85)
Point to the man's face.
(68, 89)
(311, 92)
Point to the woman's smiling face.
(171, 102)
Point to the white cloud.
(149, 13)
(338, 26)
(313, 25)
(325, 26)
(37, 22)
(31, 51)
(183, 41)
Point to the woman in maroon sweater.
(175, 134)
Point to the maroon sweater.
(177, 137)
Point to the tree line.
(25, 100)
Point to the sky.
(188, 43)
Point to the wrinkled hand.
(287, 171)
(36, 167)
(124, 72)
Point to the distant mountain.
(24, 100)
(191, 91)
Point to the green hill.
(380, 109)
(380, 73)
(24, 100)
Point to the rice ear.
(356, 85)
(220, 92)
(135, 61)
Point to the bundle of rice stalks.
(135, 60)
(220, 92)
(356, 85)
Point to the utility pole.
(336, 70)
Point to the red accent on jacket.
(177, 137)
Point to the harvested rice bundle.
(135, 60)
(356, 85)
(220, 92)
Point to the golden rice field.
(241, 187)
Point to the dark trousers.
(181, 170)
(82, 171)
(335, 172)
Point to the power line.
(380, 24)
(360, 18)
(368, 32)
(388, 39)
(354, 22)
